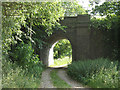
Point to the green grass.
(63, 61)
(14, 76)
(57, 81)
(98, 73)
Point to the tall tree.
(18, 14)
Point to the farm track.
(47, 83)
(63, 75)
(45, 79)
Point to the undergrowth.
(22, 68)
(98, 73)
(14, 76)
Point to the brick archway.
(77, 32)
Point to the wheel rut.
(47, 83)
(63, 75)
(45, 79)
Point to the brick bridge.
(77, 32)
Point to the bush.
(15, 76)
(23, 54)
(95, 73)
(107, 78)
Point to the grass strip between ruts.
(57, 81)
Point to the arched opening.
(60, 54)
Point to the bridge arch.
(77, 32)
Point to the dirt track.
(46, 82)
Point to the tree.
(107, 8)
(109, 26)
(62, 49)
(27, 14)
(73, 8)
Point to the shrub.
(91, 72)
(23, 54)
(107, 78)
(15, 76)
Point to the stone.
(77, 32)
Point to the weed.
(15, 76)
(98, 73)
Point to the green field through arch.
(62, 53)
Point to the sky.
(85, 4)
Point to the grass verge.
(61, 61)
(98, 73)
(57, 81)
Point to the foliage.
(73, 8)
(24, 56)
(107, 8)
(27, 14)
(14, 76)
(100, 72)
(108, 27)
(105, 78)
(57, 82)
(62, 48)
